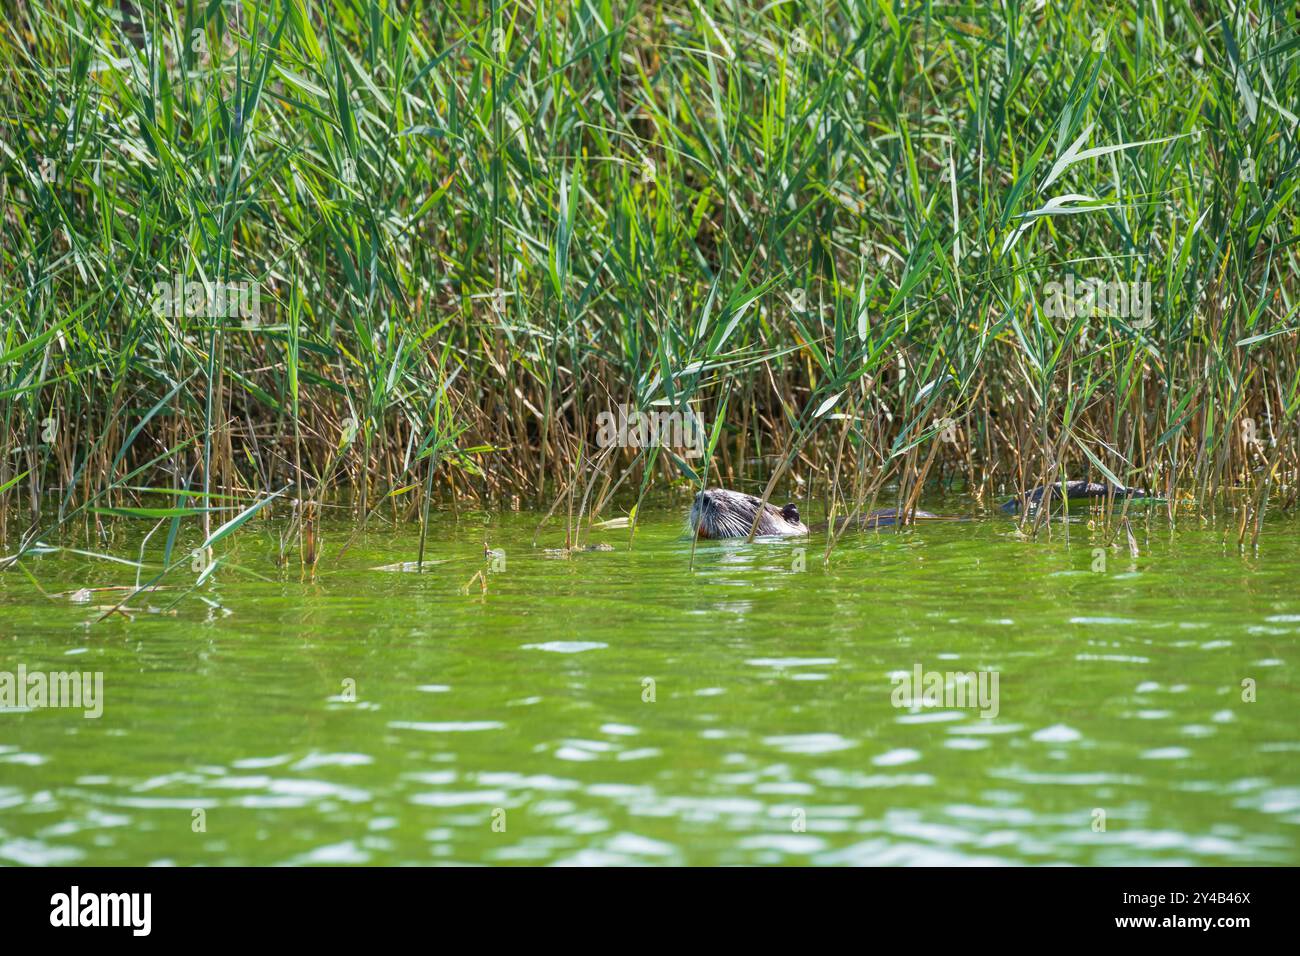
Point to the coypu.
(1073, 491)
(719, 513)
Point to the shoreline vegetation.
(262, 253)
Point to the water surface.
(622, 707)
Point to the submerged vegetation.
(259, 252)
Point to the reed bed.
(834, 231)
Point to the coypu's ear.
(790, 513)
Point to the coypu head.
(718, 513)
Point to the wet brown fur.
(720, 513)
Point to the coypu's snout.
(702, 519)
(719, 513)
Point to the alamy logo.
(1124, 300)
(212, 300)
(631, 428)
(920, 688)
(103, 909)
(31, 691)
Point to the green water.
(520, 725)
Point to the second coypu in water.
(720, 513)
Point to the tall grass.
(827, 227)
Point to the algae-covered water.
(622, 707)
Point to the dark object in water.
(880, 519)
(719, 513)
(1073, 490)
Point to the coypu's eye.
(790, 513)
